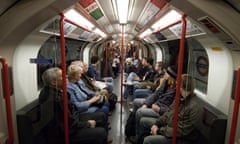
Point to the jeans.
(109, 83)
(145, 125)
(137, 103)
(157, 139)
(144, 112)
(141, 93)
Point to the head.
(149, 61)
(144, 61)
(52, 77)
(171, 75)
(187, 85)
(78, 63)
(159, 66)
(85, 67)
(74, 73)
(94, 60)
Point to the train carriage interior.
(200, 38)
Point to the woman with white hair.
(84, 102)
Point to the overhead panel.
(70, 31)
(94, 10)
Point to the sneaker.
(131, 110)
(127, 83)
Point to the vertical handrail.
(122, 67)
(138, 68)
(235, 110)
(6, 87)
(64, 73)
(106, 58)
(180, 65)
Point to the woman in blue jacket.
(83, 100)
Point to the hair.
(49, 75)
(160, 64)
(149, 60)
(187, 83)
(94, 59)
(73, 70)
(77, 62)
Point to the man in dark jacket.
(83, 128)
(161, 129)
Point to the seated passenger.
(81, 99)
(161, 129)
(82, 127)
(145, 73)
(146, 88)
(87, 80)
(158, 103)
(93, 73)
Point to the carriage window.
(51, 50)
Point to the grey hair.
(77, 62)
(73, 70)
(49, 75)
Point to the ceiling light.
(145, 33)
(171, 17)
(122, 9)
(75, 17)
(98, 31)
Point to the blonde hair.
(187, 83)
(73, 70)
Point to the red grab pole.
(180, 64)
(138, 54)
(106, 58)
(10, 140)
(64, 73)
(235, 110)
(122, 66)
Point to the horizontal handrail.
(6, 87)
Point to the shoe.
(109, 127)
(131, 110)
(127, 83)
(109, 140)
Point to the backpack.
(112, 101)
(130, 127)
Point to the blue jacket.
(77, 97)
(85, 89)
(92, 73)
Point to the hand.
(154, 130)
(92, 123)
(94, 99)
(136, 78)
(156, 108)
(149, 87)
(144, 106)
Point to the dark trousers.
(95, 135)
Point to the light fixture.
(77, 18)
(122, 9)
(169, 18)
(145, 33)
(98, 31)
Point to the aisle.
(117, 121)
